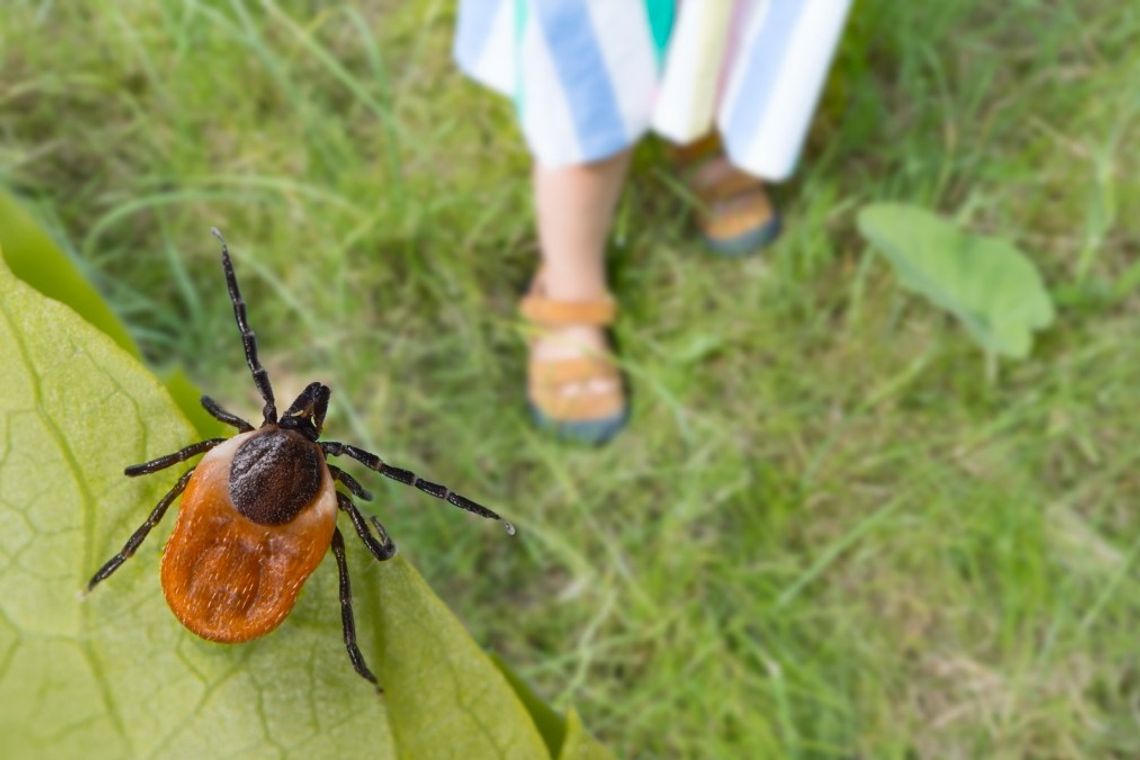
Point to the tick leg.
(408, 478)
(248, 339)
(221, 414)
(139, 535)
(350, 483)
(161, 463)
(382, 550)
(346, 611)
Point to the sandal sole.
(747, 243)
(593, 432)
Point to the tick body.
(258, 513)
(243, 546)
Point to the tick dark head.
(306, 415)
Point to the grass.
(825, 534)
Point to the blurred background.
(828, 531)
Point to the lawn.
(828, 531)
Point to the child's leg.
(575, 206)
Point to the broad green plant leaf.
(188, 397)
(425, 718)
(35, 258)
(566, 737)
(578, 744)
(986, 282)
(114, 675)
(549, 723)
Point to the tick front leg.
(139, 535)
(382, 550)
(162, 463)
(248, 340)
(346, 612)
(217, 412)
(409, 478)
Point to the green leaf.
(445, 695)
(115, 675)
(549, 723)
(188, 397)
(34, 258)
(986, 282)
(579, 745)
(566, 738)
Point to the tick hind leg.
(141, 533)
(346, 617)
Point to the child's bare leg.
(575, 209)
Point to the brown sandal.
(591, 416)
(736, 216)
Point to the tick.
(258, 512)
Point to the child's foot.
(736, 216)
(574, 386)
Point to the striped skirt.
(590, 77)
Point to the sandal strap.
(731, 184)
(580, 408)
(550, 313)
(551, 372)
(549, 377)
(737, 215)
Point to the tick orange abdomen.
(228, 578)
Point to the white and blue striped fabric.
(590, 77)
